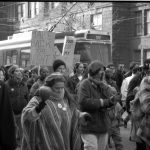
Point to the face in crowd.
(58, 88)
(44, 73)
(80, 69)
(100, 75)
(108, 73)
(17, 75)
(61, 69)
(34, 75)
(56, 82)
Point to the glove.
(44, 94)
(84, 118)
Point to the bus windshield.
(91, 51)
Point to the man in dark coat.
(7, 125)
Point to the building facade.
(140, 32)
(6, 25)
(127, 23)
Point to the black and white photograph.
(75, 75)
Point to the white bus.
(90, 45)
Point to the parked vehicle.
(90, 45)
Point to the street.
(125, 132)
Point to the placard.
(42, 48)
(1, 57)
(68, 51)
(76, 58)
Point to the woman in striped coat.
(50, 120)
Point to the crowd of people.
(84, 110)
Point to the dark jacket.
(18, 95)
(72, 84)
(89, 100)
(30, 82)
(7, 125)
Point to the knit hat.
(54, 77)
(94, 67)
(58, 63)
(12, 69)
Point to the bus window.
(81, 49)
(25, 57)
(90, 51)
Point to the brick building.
(6, 25)
(127, 23)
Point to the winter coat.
(89, 94)
(18, 94)
(7, 124)
(72, 83)
(141, 112)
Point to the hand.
(84, 117)
(44, 92)
(116, 98)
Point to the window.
(25, 57)
(21, 11)
(36, 8)
(137, 55)
(138, 24)
(54, 4)
(147, 22)
(146, 54)
(46, 7)
(96, 21)
(29, 9)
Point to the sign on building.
(42, 48)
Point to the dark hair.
(58, 63)
(76, 66)
(94, 67)
(135, 69)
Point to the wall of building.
(140, 43)
(116, 20)
(6, 26)
(121, 33)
